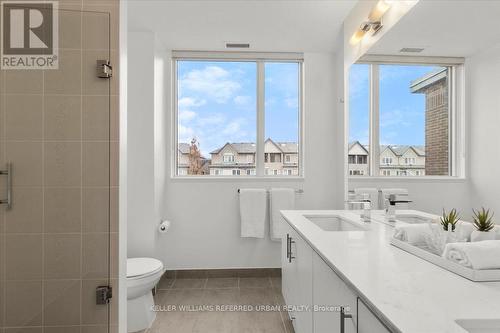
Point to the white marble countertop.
(415, 296)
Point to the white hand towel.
(253, 212)
(281, 199)
(414, 234)
(476, 255)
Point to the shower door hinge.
(103, 294)
(104, 69)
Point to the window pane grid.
(221, 115)
(411, 104)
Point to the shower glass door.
(55, 141)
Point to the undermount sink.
(334, 223)
(480, 325)
(412, 219)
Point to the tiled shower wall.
(59, 128)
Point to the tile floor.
(199, 292)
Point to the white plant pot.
(478, 236)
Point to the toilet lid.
(142, 266)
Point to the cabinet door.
(297, 280)
(329, 294)
(368, 322)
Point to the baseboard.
(223, 273)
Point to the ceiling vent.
(237, 45)
(411, 50)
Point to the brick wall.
(436, 129)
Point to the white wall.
(140, 159)
(483, 72)
(205, 215)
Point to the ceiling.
(268, 25)
(444, 28)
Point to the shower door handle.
(7, 172)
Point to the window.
(228, 158)
(232, 112)
(359, 114)
(387, 161)
(415, 105)
(356, 172)
(410, 160)
(362, 159)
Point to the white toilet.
(142, 275)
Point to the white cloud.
(292, 102)
(190, 102)
(242, 100)
(213, 82)
(185, 133)
(186, 115)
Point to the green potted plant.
(449, 220)
(483, 222)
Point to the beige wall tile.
(62, 210)
(93, 314)
(62, 302)
(23, 257)
(23, 117)
(26, 215)
(95, 30)
(62, 329)
(67, 79)
(62, 256)
(24, 330)
(26, 158)
(114, 206)
(2, 303)
(24, 299)
(95, 164)
(96, 210)
(114, 118)
(70, 29)
(62, 163)
(113, 257)
(62, 119)
(95, 256)
(96, 117)
(23, 82)
(114, 163)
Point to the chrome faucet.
(367, 207)
(390, 209)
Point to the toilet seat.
(142, 267)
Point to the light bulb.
(357, 37)
(379, 10)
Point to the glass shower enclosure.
(57, 185)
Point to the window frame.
(260, 58)
(456, 102)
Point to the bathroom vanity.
(341, 275)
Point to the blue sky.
(217, 102)
(402, 113)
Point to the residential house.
(395, 160)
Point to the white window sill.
(402, 179)
(235, 179)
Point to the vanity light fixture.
(374, 22)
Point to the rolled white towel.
(476, 255)
(414, 234)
